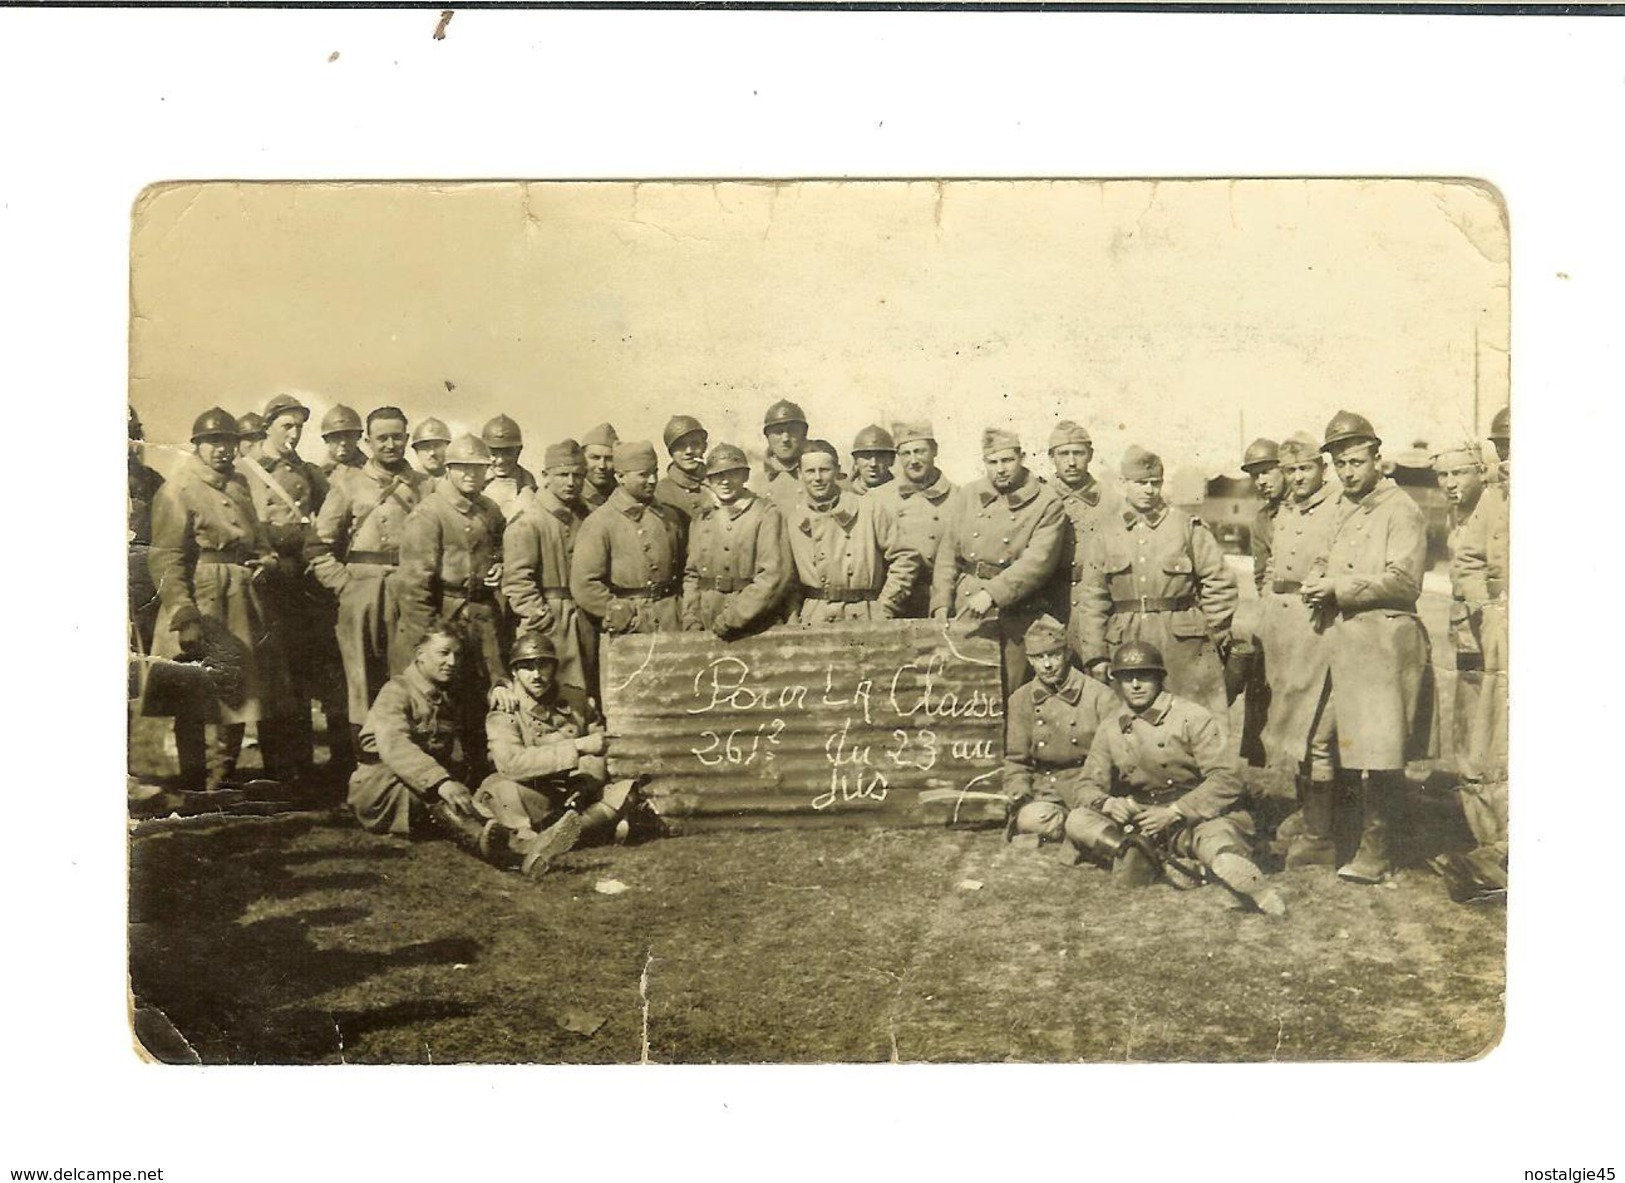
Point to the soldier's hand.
(1318, 590)
(979, 604)
(1154, 819)
(456, 795)
(493, 577)
(1100, 670)
(501, 697)
(590, 745)
(1120, 809)
(542, 622)
(1225, 644)
(190, 636)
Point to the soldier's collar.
(1133, 517)
(1088, 492)
(215, 480)
(860, 489)
(682, 480)
(422, 685)
(933, 491)
(1153, 714)
(454, 496)
(774, 469)
(401, 472)
(627, 504)
(550, 502)
(1314, 499)
(1021, 495)
(735, 509)
(1069, 691)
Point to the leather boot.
(1242, 876)
(1134, 861)
(488, 839)
(1373, 862)
(1292, 825)
(1312, 846)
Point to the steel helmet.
(1261, 454)
(468, 449)
(285, 404)
(502, 432)
(1137, 655)
(216, 421)
(873, 438)
(1346, 425)
(533, 646)
(1501, 425)
(782, 412)
(251, 426)
(679, 426)
(726, 458)
(340, 420)
(431, 431)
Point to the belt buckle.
(1145, 606)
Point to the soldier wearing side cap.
(850, 558)
(1244, 669)
(450, 569)
(873, 457)
(354, 551)
(341, 432)
(1159, 577)
(512, 486)
(1159, 795)
(1364, 587)
(918, 498)
(536, 553)
(143, 490)
(627, 570)
(598, 450)
(430, 439)
(683, 486)
(209, 557)
(784, 427)
(739, 568)
(1051, 726)
(1089, 505)
(250, 433)
(1006, 537)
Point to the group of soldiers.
(418, 603)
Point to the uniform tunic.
(1012, 545)
(1090, 508)
(1380, 658)
(1479, 554)
(1049, 735)
(204, 529)
(144, 485)
(780, 485)
(687, 495)
(850, 559)
(512, 494)
(1161, 578)
(627, 568)
(1299, 654)
(538, 768)
(329, 467)
(354, 552)
(739, 568)
(922, 515)
(407, 745)
(592, 496)
(1263, 539)
(536, 552)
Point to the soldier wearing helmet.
(536, 553)
(450, 569)
(873, 456)
(738, 569)
(143, 489)
(1364, 589)
(1051, 726)
(341, 432)
(250, 433)
(1158, 793)
(683, 486)
(918, 499)
(1262, 462)
(551, 785)
(627, 569)
(784, 427)
(598, 450)
(1159, 576)
(209, 558)
(430, 439)
(512, 486)
(1001, 548)
(1244, 667)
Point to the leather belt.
(367, 758)
(376, 558)
(841, 595)
(658, 591)
(1067, 767)
(558, 593)
(476, 593)
(1155, 604)
(981, 570)
(1286, 587)
(230, 557)
(726, 583)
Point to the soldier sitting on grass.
(405, 774)
(551, 783)
(1160, 794)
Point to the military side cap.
(468, 449)
(602, 436)
(216, 421)
(340, 419)
(1501, 425)
(1261, 454)
(1298, 447)
(635, 456)
(782, 412)
(1140, 465)
(678, 426)
(726, 458)
(1346, 425)
(1067, 432)
(997, 439)
(251, 425)
(1455, 454)
(431, 431)
(533, 646)
(1137, 655)
(564, 456)
(502, 432)
(873, 438)
(1044, 635)
(907, 433)
(285, 404)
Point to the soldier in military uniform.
(450, 569)
(1301, 732)
(1364, 590)
(627, 570)
(1245, 672)
(512, 486)
(850, 558)
(1088, 504)
(1052, 722)
(785, 428)
(341, 432)
(144, 485)
(683, 486)
(1262, 462)
(250, 433)
(598, 450)
(430, 439)
(536, 553)
(1006, 537)
(919, 500)
(739, 569)
(1160, 577)
(208, 558)
(355, 549)
(873, 457)
(1159, 794)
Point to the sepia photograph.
(1051, 620)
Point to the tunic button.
(1040, 743)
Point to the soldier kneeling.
(551, 777)
(405, 770)
(1159, 794)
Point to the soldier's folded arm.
(392, 729)
(902, 562)
(1217, 590)
(521, 581)
(770, 582)
(166, 557)
(515, 759)
(1220, 787)
(1018, 763)
(321, 548)
(1036, 562)
(589, 568)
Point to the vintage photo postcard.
(1046, 620)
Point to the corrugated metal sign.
(850, 720)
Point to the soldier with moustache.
(683, 486)
(627, 569)
(919, 501)
(598, 450)
(874, 455)
(739, 567)
(512, 486)
(1088, 504)
(341, 433)
(430, 439)
(536, 554)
